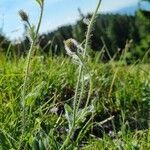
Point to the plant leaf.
(68, 114)
(81, 115)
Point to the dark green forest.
(112, 34)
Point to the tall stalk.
(76, 102)
(33, 41)
(90, 26)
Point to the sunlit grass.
(52, 83)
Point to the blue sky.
(57, 13)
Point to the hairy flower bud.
(23, 15)
(72, 47)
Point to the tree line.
(111, 31)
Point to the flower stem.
(76, 102)
(27, 69)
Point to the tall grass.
(52, 82)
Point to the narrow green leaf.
(68, 114)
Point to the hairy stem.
(90, 26)
(39, 22)
(27, 69)
(80, 77)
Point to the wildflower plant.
(75, 115)
(33, 37)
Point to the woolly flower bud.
(72, 47)
(23, 15)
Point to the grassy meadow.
(74, 102)
(121, 92)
